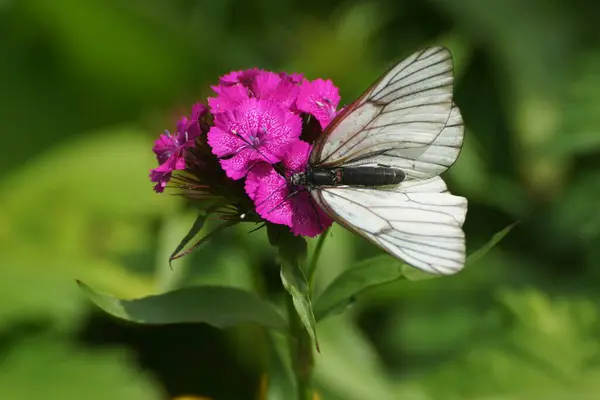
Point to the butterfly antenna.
(265, 200)
(289, 196)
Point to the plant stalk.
(301, 353)
(312, 267)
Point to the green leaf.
(294, 281)
(196, 228)
(346, 287)
(413, 274)
(380, 270)
(478, 254)
(214, 305)
(291, 250)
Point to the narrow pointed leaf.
(214, 305)
(291, 250)
(196, 228)
(380, 270)
(296, 284)
(482, 251)
(413, 274)
(366, 274)
(198, 243)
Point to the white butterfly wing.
(418, 221)
(422, 162)
(406, 120)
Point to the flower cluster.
(259, 128)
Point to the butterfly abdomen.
(356, 176)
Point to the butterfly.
(375, 169)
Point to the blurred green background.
(87, 86)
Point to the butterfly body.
(352, 176)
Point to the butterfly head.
(298, 179)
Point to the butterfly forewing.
(405, 110)
(421, 162)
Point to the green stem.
(301, 353)
(312, 267)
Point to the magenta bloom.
(255, 131)
(251, 129)
(279, 202)
(319, 98)
(170, 149)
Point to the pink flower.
(279, 202)
(170, 149)
(255, 131)
(319, 98)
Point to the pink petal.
(182, 125)
(252, 184)
(162, 178)
(319, 98)
(292, 77)
(247, 77)
(275, 127)
(228, 97)
(220, 137)
(164, 146)
(176, 161)
(199, 110)
(179, 162)
(308, 219)
(265, 83)
(231, 78)
(270, 86)
(160, 186)
(239, 165)
(270, 193)
(192, 133)
(296, 158)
